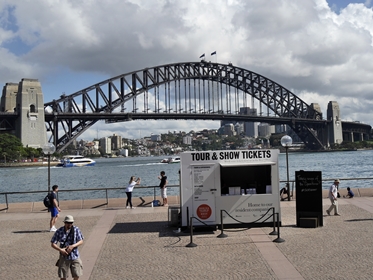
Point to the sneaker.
(133, 207)
(127, 207)
(52, 229)
(327, 211)
(337, 214)
(165, 205)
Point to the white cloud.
(303, 45)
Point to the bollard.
(191, 244)
(187, 212)
(222, 234)
(278, 239)
(274, 222)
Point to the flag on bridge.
(213, 53)
(202, 56)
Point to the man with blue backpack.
(53, 208)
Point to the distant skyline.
(320, 50)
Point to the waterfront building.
(265, 130)
(250, 128)
(123, 152)
(105, 145)
(155, 137)
(187, 140)
(116, 142)
(229, 129)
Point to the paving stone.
(139, 244)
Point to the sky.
(320, 50)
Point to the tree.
(31, 153)
(10, 146)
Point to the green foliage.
(275, 139)
(31, 153)
(10, 147)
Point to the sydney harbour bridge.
(180, 91)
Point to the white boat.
(171, 160)
(76, 161)
(165, 160)
(174, 160)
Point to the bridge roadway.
(7, 119)
(139, 244)
(113, 117)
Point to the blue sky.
(320, 50)
(336, 5)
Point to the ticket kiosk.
(244, 183)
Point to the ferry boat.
(171, 160)
(76, 161)
(174, 160)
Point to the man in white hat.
(69, 237)
(333, 194)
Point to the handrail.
(154, 188)
(80, 190)
(324, 180)
(340, 179)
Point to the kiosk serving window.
(245, 179)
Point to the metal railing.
(331, 180)
(106, 190)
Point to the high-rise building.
(187, 140)
(116, 142)
(265, 130)
(105, 145)
(250, 128)
(155, 137)
(229, 129)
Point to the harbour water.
(115, 172)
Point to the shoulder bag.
(62, 245)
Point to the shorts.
(75, 266)
(54, 212)
(164, 192)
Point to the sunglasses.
(70, 223)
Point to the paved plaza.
(139, 243)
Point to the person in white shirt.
(131, 184)
(333, 193)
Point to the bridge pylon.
(335, 124)
(9, 98)
(30, 124)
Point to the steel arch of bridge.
(190, 90)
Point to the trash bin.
(173, 216)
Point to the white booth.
(244, 183)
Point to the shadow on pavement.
(358, 220)
(140, 227)
(30, 231)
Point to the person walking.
(54, 209)
(69, 238)
(333, 193)
(131, 184)
(163, 187)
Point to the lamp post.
(49, 149)
(287, 141)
